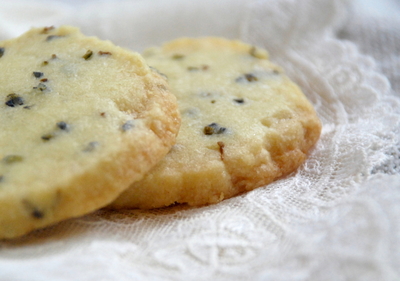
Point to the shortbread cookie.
(80, 120)
(244, 124)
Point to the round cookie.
(244, 124)
(80, 120)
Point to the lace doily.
(336, 218)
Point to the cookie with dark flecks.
(244, 124)
(80, 120)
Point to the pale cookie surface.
(244, 124)
(80, 120)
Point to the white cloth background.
(336, 218)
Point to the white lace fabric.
(336, 218)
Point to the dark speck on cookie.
(14, 100)
(88, 55)
(127, 125)
(63, 126)
(248, 77)
(102, 53)
(213, 128)
(52, 37)
(37, 74)
(178, 57)
(40, 87)
(9, 159)
(47, 29)
(239, 100)
(47, 137)
(91, 146)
